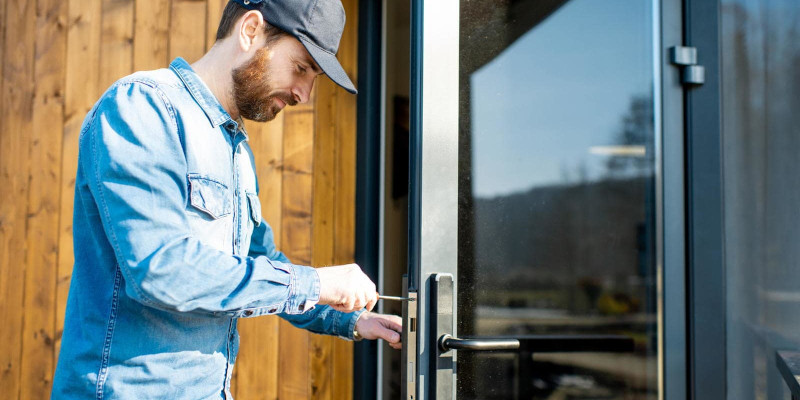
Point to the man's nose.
(302, 91)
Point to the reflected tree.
(636, 130)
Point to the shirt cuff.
(303, 290)
(347, 326)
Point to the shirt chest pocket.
(255, 208)
(209, 196)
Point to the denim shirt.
(170, 248)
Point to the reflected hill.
(535, 248)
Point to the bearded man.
(170, 246)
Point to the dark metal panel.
(415, 174)
(365, 362)
(673, 210)
(415, 148)
(705, 252)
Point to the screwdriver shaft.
(398, 298)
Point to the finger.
(372, 303)
(370, 299)
(396, 346)
(356, 302)
(351, 303)
(389, 335)
(362, 301)
(393, 322)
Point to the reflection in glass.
(556, 191)
(761, 141)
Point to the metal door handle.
(447, 342)
(540, 343)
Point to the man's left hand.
(380, 326)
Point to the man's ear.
(251, 25)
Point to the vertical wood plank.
(323, 214)
(297, 184)
(2, 50)
(187, 34)
(213, 15)
(116, 48)
(296, 242)
(15, 127)
(270, 174)
(151, 34)
(346, 140)
(257, 364)
(83, 59)
(325, 155)
(38, 350)
(344, 230)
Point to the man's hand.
(380, 326)
(346, 288)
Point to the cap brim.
(328, 63)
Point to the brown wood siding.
(56, 59)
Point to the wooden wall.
(56, 58)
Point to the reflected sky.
(560, 89)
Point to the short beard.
(252, 92)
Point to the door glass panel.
(759, 61)
(557, 194)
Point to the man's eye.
(301, 68)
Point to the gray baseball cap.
(317, 24)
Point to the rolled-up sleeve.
(132, 157)
(318, 319)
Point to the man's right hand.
(346, 288)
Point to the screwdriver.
(398, 298)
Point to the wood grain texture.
(297, 183)
(293, 371)
(187, 33)
(346, 140)
(324, 214)
(83, 59)
(18, 86)
(2, 50)
(257, 365)
(270, 173)
(151, 34)
(324, 174)
(38, 331)
(213, 15)
(116, 46)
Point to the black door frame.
(368, 180)
(694, 334)
(705, 205)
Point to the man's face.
(279, 74)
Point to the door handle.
(447, 342)
(540, 343)
(440, 372)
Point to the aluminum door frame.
(433, 191)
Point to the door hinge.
(686, 58)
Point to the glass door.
(536, 209)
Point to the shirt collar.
(200, 92)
